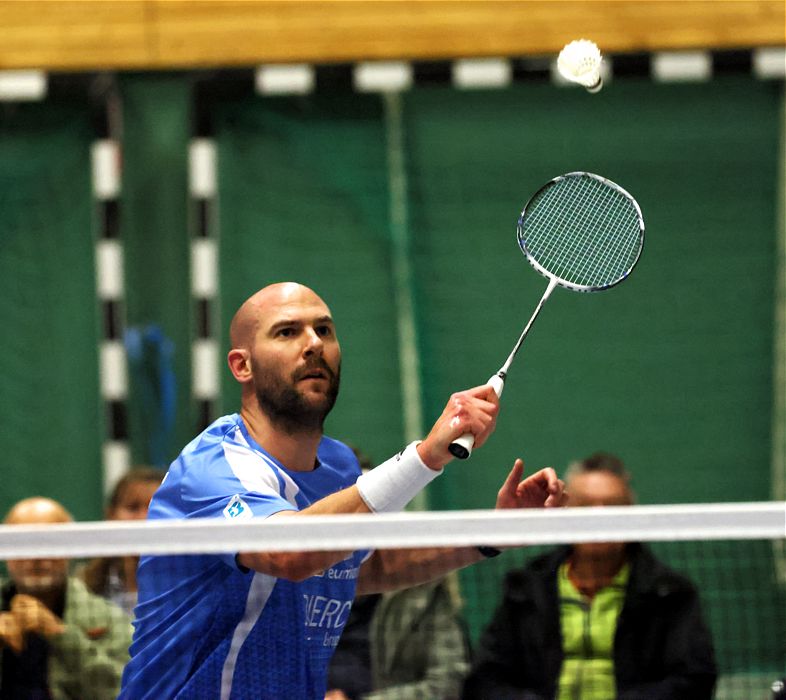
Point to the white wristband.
(390, 486)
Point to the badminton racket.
(580, 231)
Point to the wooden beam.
(158, 34)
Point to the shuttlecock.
(579, 62)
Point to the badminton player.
(265, 624)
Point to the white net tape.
(718, 521)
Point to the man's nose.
(314, 342)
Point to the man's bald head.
(38, 577)
(252, 311)
(37, 511)
(286, 356)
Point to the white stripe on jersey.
(242, 458)
(258, 593)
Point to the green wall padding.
(50, 421)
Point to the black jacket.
(662, 647)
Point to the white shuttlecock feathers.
(579, 62)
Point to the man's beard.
(286, 407)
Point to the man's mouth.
(315, 373)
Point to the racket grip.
(461, 447)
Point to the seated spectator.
(57, 639)
(404, 645)
(595, 621)
(114, 578)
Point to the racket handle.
(461, 448)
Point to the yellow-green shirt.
(588, 628)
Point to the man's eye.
(324, 331)
(286, 332)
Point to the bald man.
(58, 640)
(265, 624)
(596, 620)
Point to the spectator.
(114, 578)
(596, 621)
(404, 645)
(57, 639)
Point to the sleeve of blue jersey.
(235, 484)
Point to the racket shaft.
(552, 283)
(461, 448)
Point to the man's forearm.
(388, 487)
(391, 569)
(297, 566)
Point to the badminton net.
(734, 555)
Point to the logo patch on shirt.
(237, 508)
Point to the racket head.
(583, 231)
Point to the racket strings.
(620, 241)
(557, 255)
(585, 253)
(588, 254)
(582, 230)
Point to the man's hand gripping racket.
(580, 231)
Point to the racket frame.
(521, 225)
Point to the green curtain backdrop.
(50, 421)
(303, 196)
(672, 369)
(155, 235)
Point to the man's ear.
(239, 362)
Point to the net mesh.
(714, 572)
(582, 230)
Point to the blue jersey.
(205, 628)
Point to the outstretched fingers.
(543, 489)
(545, 486)
(514, 477)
